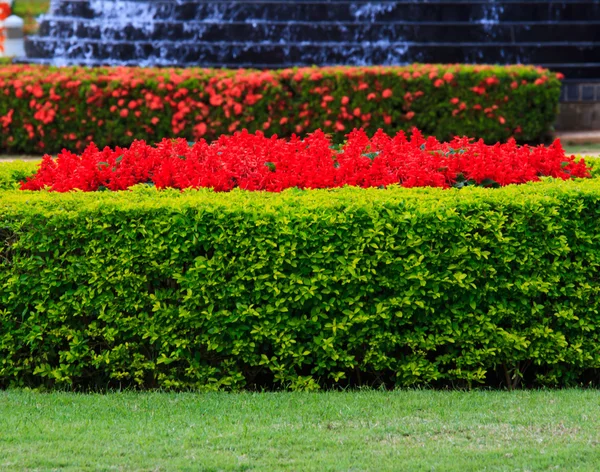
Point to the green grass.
(404, 430)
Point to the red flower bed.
(255, 162)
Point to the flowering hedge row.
(47, 109)
(301, 289)
(255, 162)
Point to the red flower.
(216, 100)
(200, 129)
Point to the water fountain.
(559, 34)
(278, 33)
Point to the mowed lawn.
(365, 430)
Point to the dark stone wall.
(563, 35)
(278, 33)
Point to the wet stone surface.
(280, 33)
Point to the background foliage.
(45, 109)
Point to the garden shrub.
(301, 289)
(44, 109)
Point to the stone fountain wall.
(270, 33)
(563, 35)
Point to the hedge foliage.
(302, 289)
(13, 173)
(45, 109)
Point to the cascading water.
(279, 33)
(491, 18)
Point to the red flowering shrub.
(4, 14)
(46, 109)
(255, 162)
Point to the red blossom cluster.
(255, 162)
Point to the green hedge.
(302, 289)
(44, 109)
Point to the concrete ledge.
(579, 137)
(579, 116)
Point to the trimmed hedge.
(302, 289)
(45, 109)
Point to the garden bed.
(301, 289)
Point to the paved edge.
(578, 137)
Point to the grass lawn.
(404, 430)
